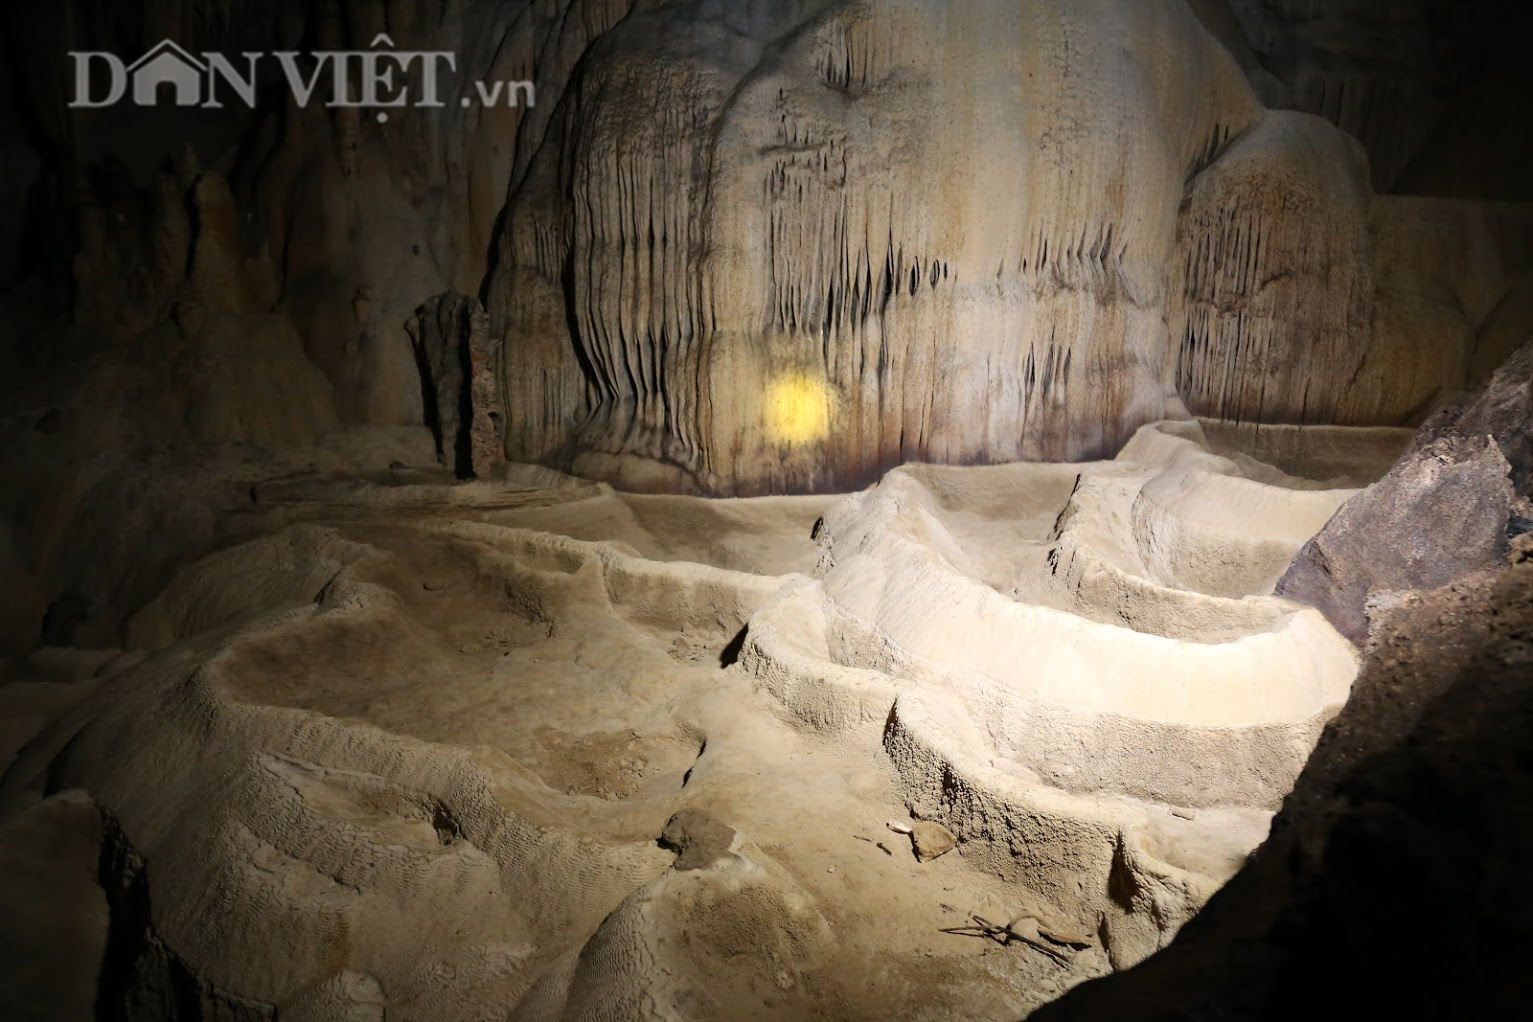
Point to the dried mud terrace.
(414, 747)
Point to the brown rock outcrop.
(457, 361)
(1447, 509)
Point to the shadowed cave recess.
(765, 509)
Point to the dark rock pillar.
(457, 360)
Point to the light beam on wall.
(798, 409)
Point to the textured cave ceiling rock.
(1304, 298)
(960, 235)
(1278, 274)
(191, 348)
(738, 248)
(374, 219)
(734, 248)
(955, 220)
(1420, 82)
(1455, 299)
(362, 221)
(1468, 154)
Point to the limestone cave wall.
(747, 247)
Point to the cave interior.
(765, 509)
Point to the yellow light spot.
(798, 408)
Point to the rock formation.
(759, 248)
(1402, 78)
(794, 508)
(1403, 837)
(929, 233)
(1449, 508)
(1418, 785)
(552, 751)
(457, 365)
(969, 292)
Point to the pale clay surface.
(416, 748)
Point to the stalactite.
(957, 275)
(1275, 276)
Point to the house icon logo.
(168, 65)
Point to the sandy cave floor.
(415, 745)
